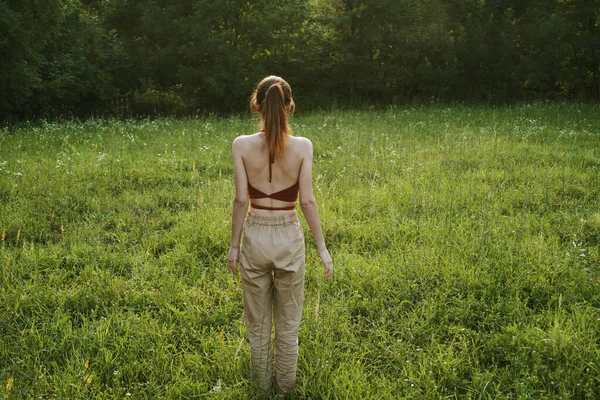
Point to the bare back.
(251, 162)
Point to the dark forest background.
(183, 57)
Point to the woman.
(272, 253)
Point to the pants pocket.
(299, 232)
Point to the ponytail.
(275, 121)
(270, 99)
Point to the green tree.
(580, 65)
(57, 58)
(26, 28)
(206, 54)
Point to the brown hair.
(271, 99)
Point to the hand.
(232, 260)
(327, 262)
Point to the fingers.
(329, 269)
(232, 257)
(232, 267)
(327, 262)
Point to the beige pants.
(272, 269)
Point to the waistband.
(271, 220)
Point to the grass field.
(465, 240)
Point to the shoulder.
(303, 144)
(242, 142)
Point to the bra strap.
(271, 161)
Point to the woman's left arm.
(240, 204)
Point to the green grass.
(465, 242)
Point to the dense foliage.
(80, 56)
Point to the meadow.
(465, 241)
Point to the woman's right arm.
(309, 207)
(240, 204)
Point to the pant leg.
(257, 287)
(288, 300)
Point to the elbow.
(308, 203)
(240, 203)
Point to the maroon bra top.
(288, 194)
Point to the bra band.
(258, 207)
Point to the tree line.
(77, 57)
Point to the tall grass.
(465, 242)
